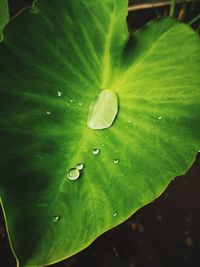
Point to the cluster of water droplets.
(75, 172)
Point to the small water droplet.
(80, 166)
(160, 118)
(59, 93)
(73, 174)
(114, 213)
(55, 218)
(116, 161)
(72, 100)
(48, 112)
(95, 151)
(80, 103)
(34, 10)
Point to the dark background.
(165, 233)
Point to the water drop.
(160, 118)
(55, 219)
(114, 213)
(129, 121)
(80, 166)
(95, 151)
(72, 100)
(103, 110)
(48, 112)
(59, 93)
(73, 174)
(116, 161)
(34, 9)
(80, 104)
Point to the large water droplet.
(103, 110)
(95, 151)
(55, 219)
(73, 174)
(80, 166)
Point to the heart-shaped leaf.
(63, 183)
(4, 15)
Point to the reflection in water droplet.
(103, 110)
(55, 219)
(73, 174)
(48, 112)
(116, 161)
(59, 93)
(95, 151)
(115, 214)
(160, 118)
(80, 166)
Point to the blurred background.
(167, 231)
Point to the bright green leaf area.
(4, 15)
(55, 58)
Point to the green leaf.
(4, 15)
(55, 58)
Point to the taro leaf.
(55, 58)
(4, 15)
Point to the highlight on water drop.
(95, 151)
(73, 174)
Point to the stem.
(154, 5)
(172, 8)
(194, 20)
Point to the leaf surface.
(55, 58)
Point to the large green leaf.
(4, 15)
(55, 58)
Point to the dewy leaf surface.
(4, 15)
(55, 58)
